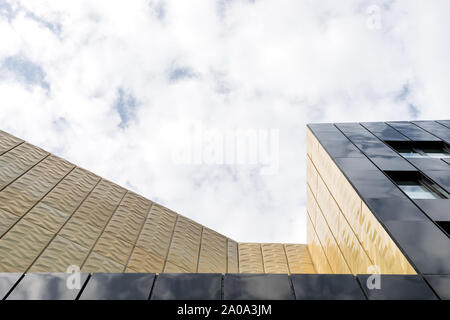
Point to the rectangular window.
(421, 149)
(410, 153)
(417, 186)
(436, 153)
(416, 190)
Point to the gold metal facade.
(343, 235)
(54, 215)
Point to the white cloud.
(238, 64)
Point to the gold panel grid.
(98, 263)
(7, 220)
(47, 217)
(71, 191)
(311, 205)
(352, 250)
(299, 259)
(21, 246)
(250, 258)
(157, 231)
(311, 145)
(330, 246)
(59, 255)
(97, 209)
(24, 193)
(311, 175)
(7, 142)
(142, 261)
(54, 215)
(350, 203)
(381, 248)
(318, 256)
(78, 231)
(125, 224)
(185, 245)
(17, 161)
(135, 203)
(109, 246)
(328, 170)
(328, 207)
(213, 252)
(274, 258)
(173, 268)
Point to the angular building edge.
(54, 214)
(343, 235)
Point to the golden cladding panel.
(22, 194)
(352, 250)
(17, 161)
(71, 191)
(157, 231)
(309, 234)
(99, 206)
(142, 261)
(135, 203)
(250, 258)
(330, 246)
(298, 258)
(185, 245)
(213, 252)
(328, 207)
(111, 247)
(44, 176)
(328, 170)
(59, 255)
(125, 224)
(274, 258)
(311, 144)
(173, 268)
(307, 268)
(350, 203)
(98, 263)
(47, 217)
(7, 220)
(16, 201)
(380, 247)
(318, 256)
(232, 259)
(311, 176)
(21, 245)
(362, 240)
(78, 231)
(311, 205)
(7, 141)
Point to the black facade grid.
(441, 257)
(52, 286)
(412, 131)
(364, 173)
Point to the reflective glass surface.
(187, 286)
(48, 286)
(414, 190)
(257, 287)
(396, 287)
(118, 286)
(7, 281)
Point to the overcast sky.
(144, 92)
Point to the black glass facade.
(222, 287)
(383, 176)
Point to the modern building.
(378, 227)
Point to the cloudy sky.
(144, 92)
